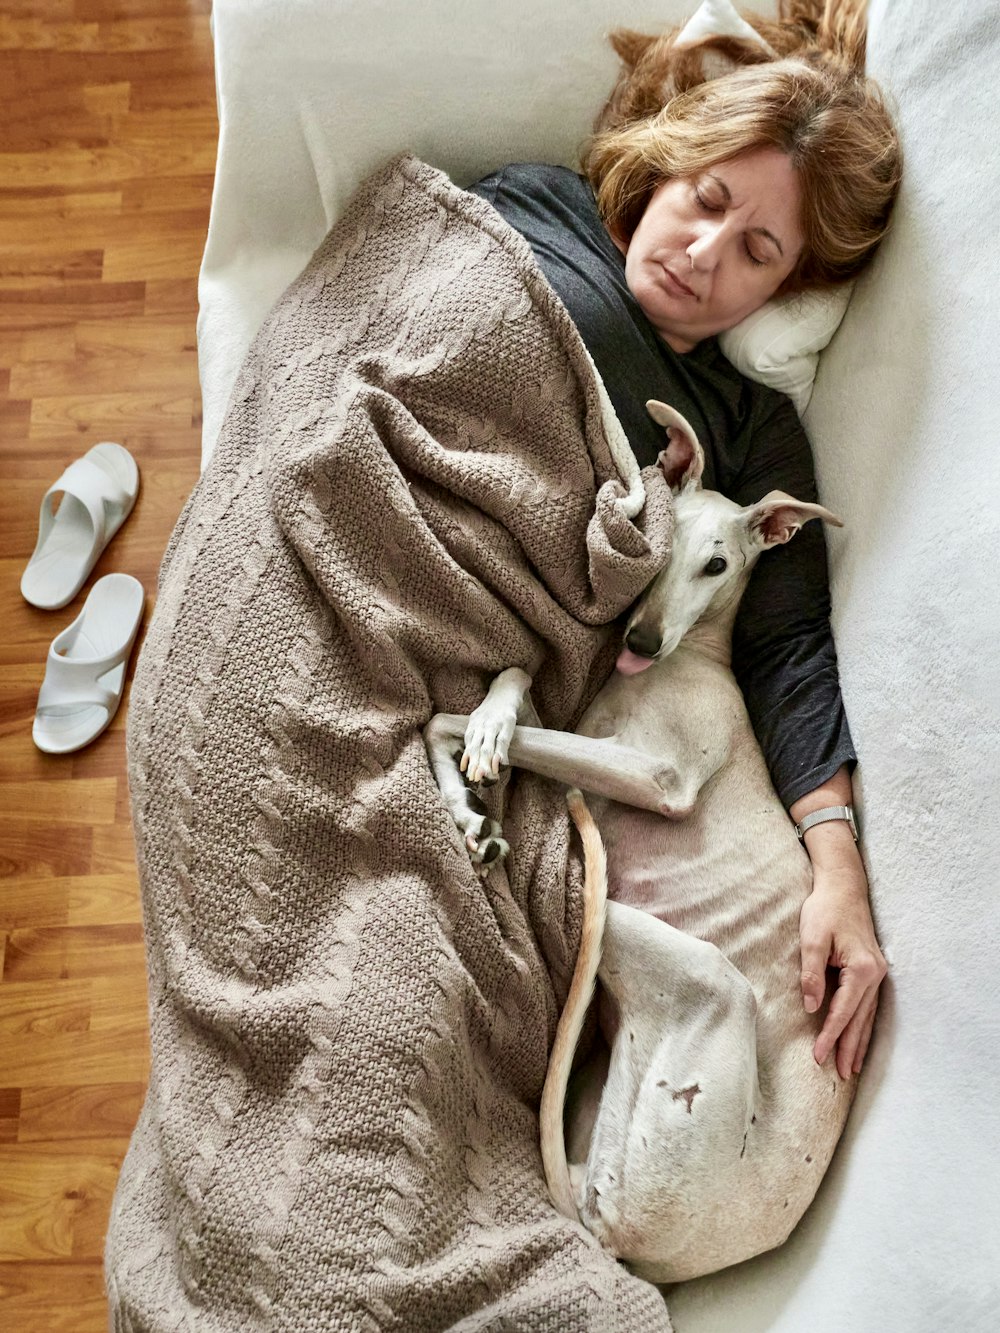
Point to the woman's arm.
(786, 664)
(784, 656)
(836, 930)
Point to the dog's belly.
(733, 873)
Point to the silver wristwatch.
(829, 812)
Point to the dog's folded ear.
(683, 460)
(778, 517)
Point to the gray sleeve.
(783, 651)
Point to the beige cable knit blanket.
(420, 482)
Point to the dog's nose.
(643, 642)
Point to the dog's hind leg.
(667, 1155)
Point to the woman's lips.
(674, 283)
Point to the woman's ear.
(683, 460)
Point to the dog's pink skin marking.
(689, 1094)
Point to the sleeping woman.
(699, 201)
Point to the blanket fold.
(419, 483)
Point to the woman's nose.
(706, 248)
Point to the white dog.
(701, 1139)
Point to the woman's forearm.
(830, 845)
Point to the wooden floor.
(107, 151)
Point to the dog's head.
(715, 545)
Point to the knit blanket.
(419, 483)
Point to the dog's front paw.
(487, 738)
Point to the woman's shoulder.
(537, 173)
(538, 183)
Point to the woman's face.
(711, 248)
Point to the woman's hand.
(836, 930)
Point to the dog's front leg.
(608, 768)
(476, 745)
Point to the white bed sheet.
(905, 1234)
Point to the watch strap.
(845, 812)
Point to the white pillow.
(718, 18)
(779, 344)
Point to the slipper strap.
(92, 486)
(74, 682)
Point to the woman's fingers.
(850, 1019)
(815, 952)
(849, 1044)
(866, 1037)
(836, 930)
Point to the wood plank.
(61, 205)
(95, 1031)
(64, 802)
(77, 900)
(34, 1009)
(42, 307)
(171, 296)
(113, 850)
(55, 344)
(104, 374)
(72, 952)
(111, 165)
(156, 196)
(156, 337)
(10, 1114)
(102, 416)
(98, 230)
(103, 1111)
(121, 1056)
(25, 852)
(111, 36)
(54, 1297)
(146, 257)
(26, 264)
(55, 1205)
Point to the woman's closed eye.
(709, 205)
(712, 205)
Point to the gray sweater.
(783, 652)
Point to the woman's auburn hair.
(665, 119)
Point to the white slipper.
(85, 672)
(99, 491)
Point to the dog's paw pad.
(489, 848)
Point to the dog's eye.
(716, 565)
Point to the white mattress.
(905, 1234)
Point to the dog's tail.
(581, 991)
